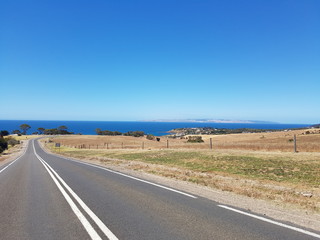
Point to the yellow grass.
(25, 137)
(257, 165)
(273, 141)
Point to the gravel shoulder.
(274, 210)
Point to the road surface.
(43, 196)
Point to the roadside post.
(58, 146)
(295, 143)
(210, 143)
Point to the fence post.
(210, 143)
(167, 143)
(295, 143)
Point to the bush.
(134, 133)
(195, 139)
(150, 137)
(12, 141)
(3, 145)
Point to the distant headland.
(211, 121)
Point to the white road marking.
(272, 221)
(124, 175)
(15, 160)
(137, 179)
(93, 234)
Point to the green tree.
(40, 130)
(98, 131)
(62, 128)
(16, 132)
(4, 133)
(24, 128)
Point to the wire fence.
(291, 144)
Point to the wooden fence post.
(295, 143)
(210, 143)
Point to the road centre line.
(125, 175)
(272, 221)
(135, 178)
(25, 150)
(93, 234)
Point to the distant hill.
(315, 126)
(211, 121)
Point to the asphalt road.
(43, 196)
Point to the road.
(44, 196)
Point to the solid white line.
(94, 217)
(92, 233)
(271, 221)
(124, 175)
(137, 179)
(15, 159)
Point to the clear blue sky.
(165, 59)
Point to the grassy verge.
(275, 176)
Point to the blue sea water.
(155, 128)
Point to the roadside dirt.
(271, 209)
(13, 153)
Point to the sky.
(121, 60)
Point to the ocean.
(155, 128)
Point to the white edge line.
(125, 175)
(135, 178)
(94, 217)
(25, 150)
(93, 234)
(271, 221)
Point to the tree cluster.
(62, 130)
(117, 133)
(107, 132)
(134, 133)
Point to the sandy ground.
(273, 210)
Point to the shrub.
(135, 133)
(3, 145)
(150, 137)
(195, 139)
(12, 141)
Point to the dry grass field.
(256, 165)
(272, 141)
